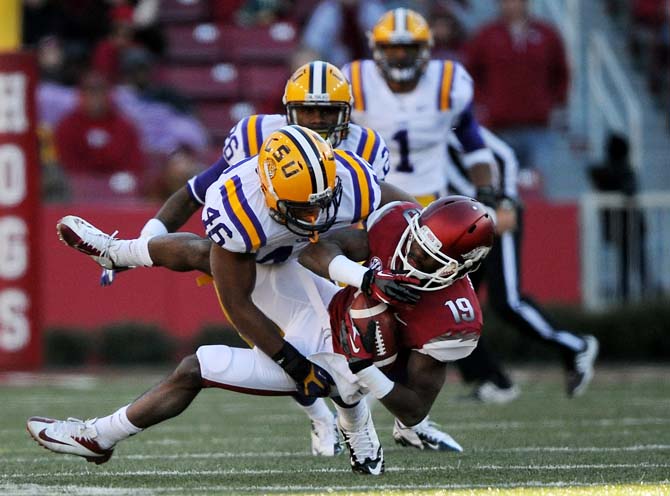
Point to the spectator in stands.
(336, 30)
(262, 12)
(108, 52)
(146, 27)
(161, 114)
(521, 75)
(95, 139)
(180, 166)
(623, 229)
(51, 59)
(448, 33)
(137, 68)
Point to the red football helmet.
(445, 241)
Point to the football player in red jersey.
(439, 245)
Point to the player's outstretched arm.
(173, 214)
(350, 243)
(235, 278)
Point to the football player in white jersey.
(260, 212)
(317, 96)
(416, 103)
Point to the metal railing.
(625, 248)
(602, 98)
(567, 17)
(613, 105)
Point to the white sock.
(131, 253)
(318, 411)
(114, 428)
(353, 418)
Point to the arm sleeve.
(469, 135)
(197, 185)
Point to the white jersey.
(237, 218)
(248, 134)
(416, 125)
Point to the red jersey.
(98, 145)
(441, 322)
(517, 81)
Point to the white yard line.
(293, 471)
(38, 490)
(307, 454)
(515, 424)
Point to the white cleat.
(424, 435)
(71, 436)
(86, 238)
(365, 451)
(325, 438)
(488, 392)
(579, 379)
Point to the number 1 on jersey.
(402, 138)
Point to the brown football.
(363, 310)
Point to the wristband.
(341, 269)
(376, 382)
(153, 227)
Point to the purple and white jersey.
(247, 136)
(416, 125)
(237, 218)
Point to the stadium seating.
(183, 10)
(198, 42)
(272, 44)
(217, 82)
(219, 117)
(261, 83)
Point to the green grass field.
(613, 441)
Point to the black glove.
(311, 380)
(487, 196)
(389, 288)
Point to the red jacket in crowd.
(518, 80)
(98, 145)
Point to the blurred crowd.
(136, 96)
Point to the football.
(363, 310)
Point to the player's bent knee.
(187, 372)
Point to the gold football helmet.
(409, 30)
(297, 171)
(319, 97)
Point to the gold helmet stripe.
(310, 152)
